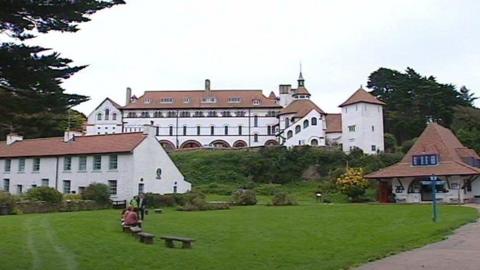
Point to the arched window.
(255, 137)
(114, 116)
(170, 130)
(287, 122)
(289, 134)
(255, 121)
(305, 123)
(107, 114)
(184, 130)
(314, 142)
(226, 130)
(314, 121)
(297, 129)
(99, 116)
(212, 130)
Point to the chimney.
(13, 137)
(129, 96)
(284, 88)
(70, 135)
(150, 130)
(207, 85)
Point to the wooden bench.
(186, 242)
(146, 238)
(126, 228)
(135, 230)
(119, 204)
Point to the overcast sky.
(160, 45)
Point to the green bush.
(268, 189)
(72, 197)
(282, 198)
(7, 203)
(46, 194)
(216, 188)
(244, 197)
(194, 201)
(97, 192)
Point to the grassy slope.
(258, 237)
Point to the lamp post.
(433, 180)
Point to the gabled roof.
(301, 107)
(81, 145)
(334, 123)
(435, 139)
(192, 99)
(114, 104)
(361, 96)
(272, 95)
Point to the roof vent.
(13, 137)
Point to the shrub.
(72, 197)
(97, 192)
(46, 194)
(244, 197)
(282, 198)
(353, 184)
(268, 189)
(7, 203)
(156, 200)
(195, 201)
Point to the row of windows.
(184, 114)
(67, 163)
(212, 130)
(353, 128)
(210, 99)
(365, 108)
(298, 128)
(106, 116)
(67, 184)
(305, 123)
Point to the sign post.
(433, 180)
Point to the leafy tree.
(467, 96)
(46, 194)
(390, 143)
(466, 125)
(32, 100)
(413, 100)
(97, 192)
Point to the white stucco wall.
(368, 121)
(306, 135)
(104, 126)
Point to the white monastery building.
(130, 163)
(244, 118)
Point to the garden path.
(459, 251)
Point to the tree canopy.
(413, 100)
(32, 99)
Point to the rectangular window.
(36, 164)
(66, 186)
(269, 130)
(81, 190)
(184, 130)
(6, 185)
(351, 128)
(19, 189)
(113, 162)
(170, 130)
(97, 163)
(255, 121)
(82, 163)
(373, 128)
(198, 130)
(425, 160)
(141, 188)
(226, 130)
(374, 148)
(112, 184)
(212, 130)
(45, 182)
(239, 130)
(67, 163)
(8, 165)
(21, 165)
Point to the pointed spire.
(301, 80)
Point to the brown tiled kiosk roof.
(435, 139)
(301, 108)
(300, 91)
(192, 99)
(334, 123)
(81, 145)
(361, 96)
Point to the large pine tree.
(32, 100)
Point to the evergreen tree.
(32, 100)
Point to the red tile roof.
(300, 108)
(193, 99)
(334, 123)
(82, 145)
(361, 96)
(300, 91)
(434, 139)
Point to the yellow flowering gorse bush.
(352, 183)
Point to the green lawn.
(258, 237)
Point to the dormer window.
(425, 160)
(166, 100)
(234, 100)
(147, 101)
(187, 100)
(209, 100)
(256, 102)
